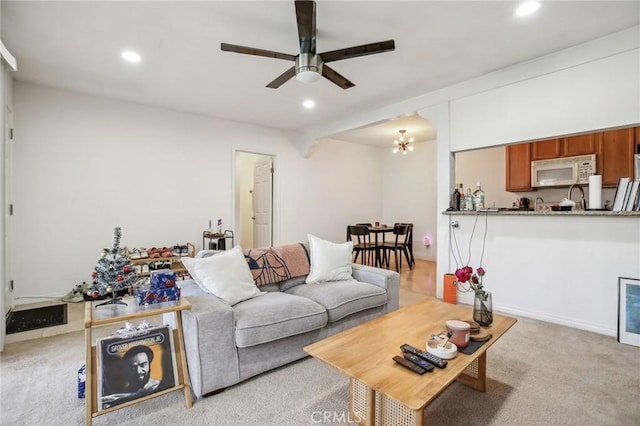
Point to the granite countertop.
(605, 213)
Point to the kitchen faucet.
(583, 203)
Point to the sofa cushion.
(342, 298)
(225, 275)
(274, 316)
(329, 261)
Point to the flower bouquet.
(482, 308)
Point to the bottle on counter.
(468, 199)
(462, 200)
(455, 199)
(478, 197)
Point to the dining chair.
(362, 244)
(399, 244)
(412, 259)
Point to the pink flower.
(466, 274)
(462, 275)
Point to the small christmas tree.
(113, 273)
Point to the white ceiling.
(76, 45)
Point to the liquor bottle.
(468, 199)
(463, 205)
(455, 199)
(478, 197)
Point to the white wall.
(559, 269)
(83, 165)
(587, 95)
(409, 190)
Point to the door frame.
(275, 222)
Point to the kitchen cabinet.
(565, 147)
(518, 167)
(614, 151)
(615, 159)
(580, 145)
(544, 150)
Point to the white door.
(262, 202)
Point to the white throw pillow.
(329, 261)
(225, 274)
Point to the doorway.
(254, 199)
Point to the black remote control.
(411, 366)
(419, 361)
(437, 361)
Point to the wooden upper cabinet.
(616, 156)
(544, 150)
(518, 170)
(565, 147)
(580, 145)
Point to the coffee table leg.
(475, 375)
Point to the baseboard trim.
(467, 299)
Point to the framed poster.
(134, 365)
(629, 311)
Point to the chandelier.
(402, 144)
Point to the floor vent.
(32, 319)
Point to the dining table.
(376, 231)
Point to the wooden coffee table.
(384, 392)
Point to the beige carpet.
(538, 374)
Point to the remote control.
(437, 361)
(419, 361)
(411, 366)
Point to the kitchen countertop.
(604, 213)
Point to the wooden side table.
(112, 314)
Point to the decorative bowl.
(449, 351)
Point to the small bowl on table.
(449, 350)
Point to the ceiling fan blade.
(306, 17)
(335, 77)
(257, 52)
(352, 52)
(282, 78)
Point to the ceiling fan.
(309, 66)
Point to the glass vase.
(483, 308)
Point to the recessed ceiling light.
(527, 8)
(308, 104)
(131, 56)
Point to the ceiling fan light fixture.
(307, 76)
(308, 68)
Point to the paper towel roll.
(595, 191)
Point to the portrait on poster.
(135, 365)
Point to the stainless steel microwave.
(563, 171)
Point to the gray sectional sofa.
(228, 344)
